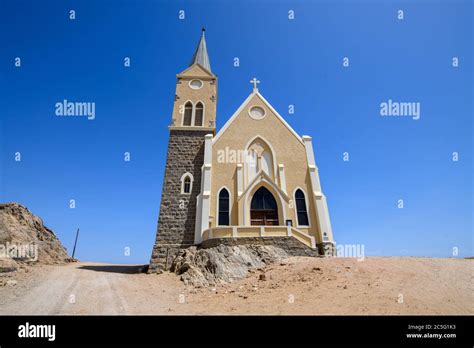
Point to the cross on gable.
(254, 81)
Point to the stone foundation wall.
(290, 244)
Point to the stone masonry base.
(163, 255)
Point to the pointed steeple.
(200, 55)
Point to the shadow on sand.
(127, 269)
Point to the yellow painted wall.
(288, 150)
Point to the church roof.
(200, 55)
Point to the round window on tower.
(257, 112)
(195, 84)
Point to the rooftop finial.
(254, 81)
(203, 29)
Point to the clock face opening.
(195, 84)
(257, 112)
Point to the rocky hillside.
(24, 238)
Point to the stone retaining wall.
(291, 245)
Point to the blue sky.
(298, 62)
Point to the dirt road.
(299, 285)
(84, 288)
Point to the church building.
(254, 181)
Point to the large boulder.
(24, 237)
(222, 264)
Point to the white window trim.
(274, 159)
(184, 112)
(184, 176)
(195, 89)
(230, 206)
(257, 118)
(193, 113)
(193, 120)
(296, 209)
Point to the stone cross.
(254, 81)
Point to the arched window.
(198, 114)
(301, 211)
(261, 151)
(224, 208)
(188, 114)
(186, 183)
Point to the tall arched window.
(264, 159)
(186, 183)
(188, 114)
(198, 114)
(224, 208)
(301, 211)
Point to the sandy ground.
(299, 285)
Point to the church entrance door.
(263, 209)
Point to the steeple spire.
(200, 55)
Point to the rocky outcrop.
(222, 264)
(24, 238)
(7, 264)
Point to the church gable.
(196, 71)
(257, 117)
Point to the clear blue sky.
(298, 61)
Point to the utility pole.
(75, 243)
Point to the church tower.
(194, 116)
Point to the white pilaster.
(203, 204)
(240, 180)
(281, 174)
(319, 199)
